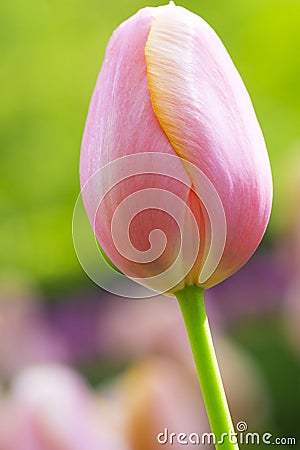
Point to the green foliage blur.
(51, 52)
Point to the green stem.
(191, 301)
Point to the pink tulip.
(169, 99)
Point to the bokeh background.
(82, 369)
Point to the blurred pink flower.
(168, 86)
(157, 393)
(50, 408)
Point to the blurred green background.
(51, 53)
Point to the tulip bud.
(174, 169)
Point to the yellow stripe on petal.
(170, 59)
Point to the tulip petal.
(204, 109)
(121, 120)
